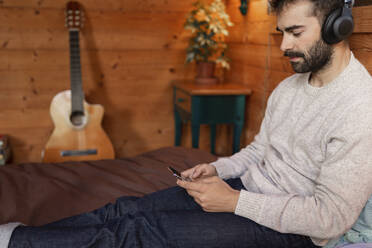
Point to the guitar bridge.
(67, 153)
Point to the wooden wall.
(130, 51)
(249, 44)
(258, 62)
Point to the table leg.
(195, 130)
(213, 138)
(178, 128)
(238, 127)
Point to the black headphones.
(339, 24)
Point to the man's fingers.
(195, 186)
(195, 173)
(191, 173)
(197, 200)
(210, 179)
(187, 173)
(194, 194)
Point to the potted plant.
(208, 24)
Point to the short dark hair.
(321, 8)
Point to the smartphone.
(177, 174)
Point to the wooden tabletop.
(212, 89)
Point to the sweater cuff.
(250, 205)
(222, 170)
(6, 231)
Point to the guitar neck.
(77, 94)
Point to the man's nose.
(287, 43)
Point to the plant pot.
(205, 73)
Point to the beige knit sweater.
(309, 170)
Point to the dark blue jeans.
(167, 218)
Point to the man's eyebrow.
(290, 29)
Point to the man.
(307, 173)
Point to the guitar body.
(69, 142)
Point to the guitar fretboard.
(77, 95)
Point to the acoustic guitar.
(77, 133)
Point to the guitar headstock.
(74, 16)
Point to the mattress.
(39, 193)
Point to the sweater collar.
(311, 90)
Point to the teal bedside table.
(222, 103)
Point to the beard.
(316, 58)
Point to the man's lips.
(293, 55)
(294, 59)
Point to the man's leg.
(179, 228)
(174, 198)
(168, 218)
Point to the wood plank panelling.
(248, 48)
(105, 60)
(361, 41)
(24, 119)
(255, 33)
(108, 40)
(39, 81)
(363, 19)
(141, 6)
(130, 51)
(248, 54)
(54, 19)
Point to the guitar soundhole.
(77, 118)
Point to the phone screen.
(177, 174)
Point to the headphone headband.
(349, 3)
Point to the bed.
(36, 193)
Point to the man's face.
(302, 41)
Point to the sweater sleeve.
(237, 164)
(342, 187)
(6, 231)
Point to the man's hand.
(200, 171)
(212, 194)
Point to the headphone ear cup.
(343, 26)
(328, 33)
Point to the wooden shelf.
(212, 89)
